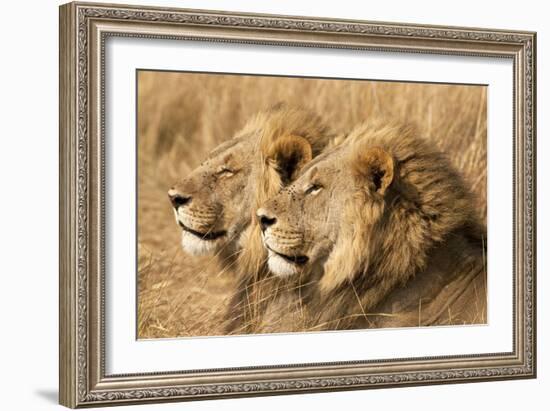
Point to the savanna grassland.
(182, 116)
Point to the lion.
(215, 204)
(381, 231)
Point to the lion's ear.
(374, 166)
(288, 154)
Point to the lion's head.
(215, 203)
(366, 212)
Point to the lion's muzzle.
(202, 231)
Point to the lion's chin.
(196, 246)
(281, 267)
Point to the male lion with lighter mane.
(215, 204)
(381, 231)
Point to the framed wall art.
(260, 204)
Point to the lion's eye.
(224, 171)
(313, 189)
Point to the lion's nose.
(265, 219)
(177, 199)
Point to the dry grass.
(182, 116)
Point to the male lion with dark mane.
(215, 204)
(378, 232)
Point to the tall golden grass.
(182, 116)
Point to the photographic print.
(241, 193)
(271, 204)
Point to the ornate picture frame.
(84, 29)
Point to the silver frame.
(84, 27)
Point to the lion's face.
(210, 204)
(215, 204)
(304, 222)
